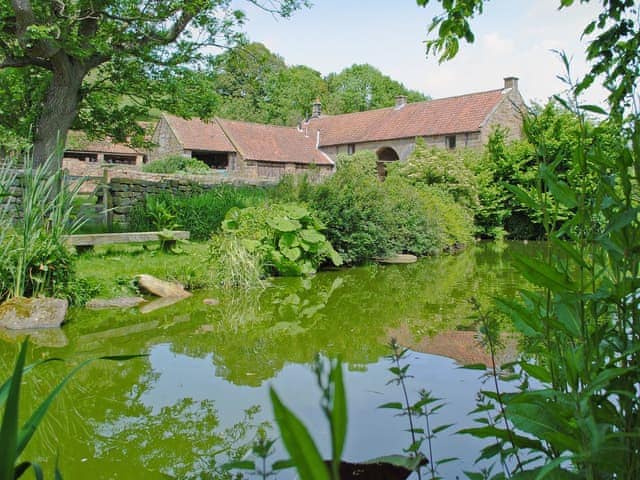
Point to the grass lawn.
(113, 267)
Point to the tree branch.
(24, 19)
(25, 62)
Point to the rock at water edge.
(25, 313)
(161, 288)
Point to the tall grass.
(202, 213)
(35, 259)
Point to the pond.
(203, 388)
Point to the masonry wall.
(405, 146)
(165, 142)
(13, 200)
(508, 114)
(124, 193)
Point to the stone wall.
(124, 193)
(13, 201)
(165, 142)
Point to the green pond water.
(203, 388)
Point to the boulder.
(21, 313)
(161, 288)
(121, 302)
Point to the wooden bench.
(88, 241)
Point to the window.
(450, 141)
(351, 148)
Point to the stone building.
(463, 121)
(250, 149)
(267, 151)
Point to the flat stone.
(161, 288)
(398, 259)
(211, 301)
(29, 313)
(122, 302)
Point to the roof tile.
(197, 134)
(272, 143)
(464, 113)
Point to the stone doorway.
(385, 155)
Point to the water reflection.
(210, 366)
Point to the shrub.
(367, 218)
(286, 237)
(201, 213)
(177, 164)
(353, 205)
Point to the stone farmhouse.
(267, 151)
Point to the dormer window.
(450, 141)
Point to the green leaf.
(292, 254)
(339, 419)
(9, 428)
(295, 211)
(282, 465)
(288, 240)
(559, 189)
(281, 224)
(537, 372)
(543, 274)
(392, 405)
(312, 236)
(298, 442)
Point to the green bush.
(177, 164)
(286, 237)
(201, 213)
(367, 218)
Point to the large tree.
(363, 87)
(104, 59)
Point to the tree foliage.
(364, 87)
(97, 53)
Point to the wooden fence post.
(107, 204)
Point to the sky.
(513, 38)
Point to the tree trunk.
(58, 111)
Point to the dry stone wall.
(124, 193)
(12, 199)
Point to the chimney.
(401, 101)
(511, 82)
(317, 109)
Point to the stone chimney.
(317, 109)
(401, 101)
(511, 82)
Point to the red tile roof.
(77, 141)
(197, 134)
(464, 113)
(270, 143)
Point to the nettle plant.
(287, 237)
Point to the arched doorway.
(385, 155)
